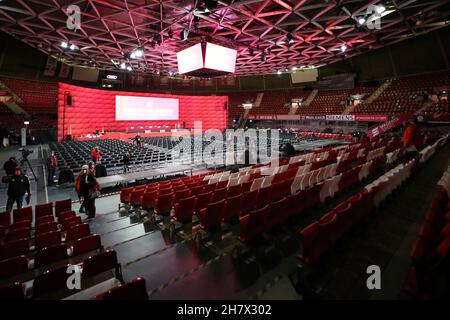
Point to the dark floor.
(178, 270)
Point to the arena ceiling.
(269, 35)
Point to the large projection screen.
(190, 59)
(220, 58)
(146, 108)
(303, 76)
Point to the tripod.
(23, 161)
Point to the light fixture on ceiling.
(129, 68)
(361, 21)
(123, 65)
(289, 38)
(73, 47)
(294, 68)
(139, 52)
(64, 44)
(343, 47)
(279, 72)
(380, 9)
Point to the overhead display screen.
(220, 58)
(190, 59)
(146, 108)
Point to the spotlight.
(72, 47)
(64, 44)
(139, 52)
(123, 65)
(361, 21)
(380, 9)
(129, 68)
(294, 68)
(279, 72)
(343, 48)
(26, 123)
(133, 55)
(289, 38)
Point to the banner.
(391, 124)
(340, 117)
(50, 67)
(315, 117)
(371, 117)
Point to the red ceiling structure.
(259, 29)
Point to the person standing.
(96, 155)
(412, 138)
(10, 165)
(52, 164)
(138, 140)
(88, 187)
(18, 185)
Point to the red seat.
(23, 233)
(203, 199)
(47, 239)
(45, 209)
(280, 189)
(278, 213)
(164, 204)
(49, 255)
(125, 195)
(253, 224)
(197, 190)
(44, 219)
(209, 187)
(221, 184)
(329, 227)
(149, 200)
(69, 222)
(263, 197)
(212, 215)
(184, 209)
(233, 207)
(179, 187)
(46, 227)
(309, 237)
(13, 266)
(180, 195)
(62, 206)
(219, 194)
(14, 248)
(50, 281)
(136, 197)
(133, 290)
(165, 191)
(99, 263)
(77, 231)
(246, 186)
(23, 214)
(19, 225)
(345, 216)
(250, 200)
(5, 218)
(66, 214)
(13, 291)
(234, 190)
(86, 244)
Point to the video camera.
(25, 152)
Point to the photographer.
(10, 165)
(18, 185)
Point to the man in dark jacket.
(10, 165)
(88, 185)
(18, 185)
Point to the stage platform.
(125, 136)
(123, 179)
(305, 145)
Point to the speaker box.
(69, 100)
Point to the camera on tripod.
(25, 152)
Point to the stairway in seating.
(349, 109)
(243, 119)
(424, 107)
(378, 92)
(311, 97)
(10, 99)
(259, 98)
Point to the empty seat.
(184, 210)
(203, 200)
(263, 196)
(99, 263)
(13, 291)
(45, 209)
(234, 190)
(219, 194)
(253, 224)
(212, 215)
(46, 227)
(77, 231)
(44, 219)
(13, 266)
(181, 194)
(50, 281)
(23, 233)
(133, 290)
(164, 204)
(136, 197)
(233, 207)
(86, 244)
(63, 206)
(5, 218)
(250, 200)
(66, 214)
(278, 213)
(125, 195)
(47, 239)
(69, 222)
(23, 214)
(49, 255)
(14, 248)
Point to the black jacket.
(87, 183)
(18, 186)
(9, 166)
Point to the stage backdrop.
(94, 109)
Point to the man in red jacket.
(412, 138)
(52, 164)
(96, 155)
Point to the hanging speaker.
(69, 100)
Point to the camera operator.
(10, 165)
(18, 185)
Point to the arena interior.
(246, 150)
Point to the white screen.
(145, 108)
(190, 59)
(220, 58)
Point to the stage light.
(72, 47)
(279, 72)
(289, 38)
(123, 65)
(343, 48)
(133, 55)
(26, 123)
(361, 21)
(139, 52)
(380, 9)
(294, 68)
(129, 68)
(64, 44)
